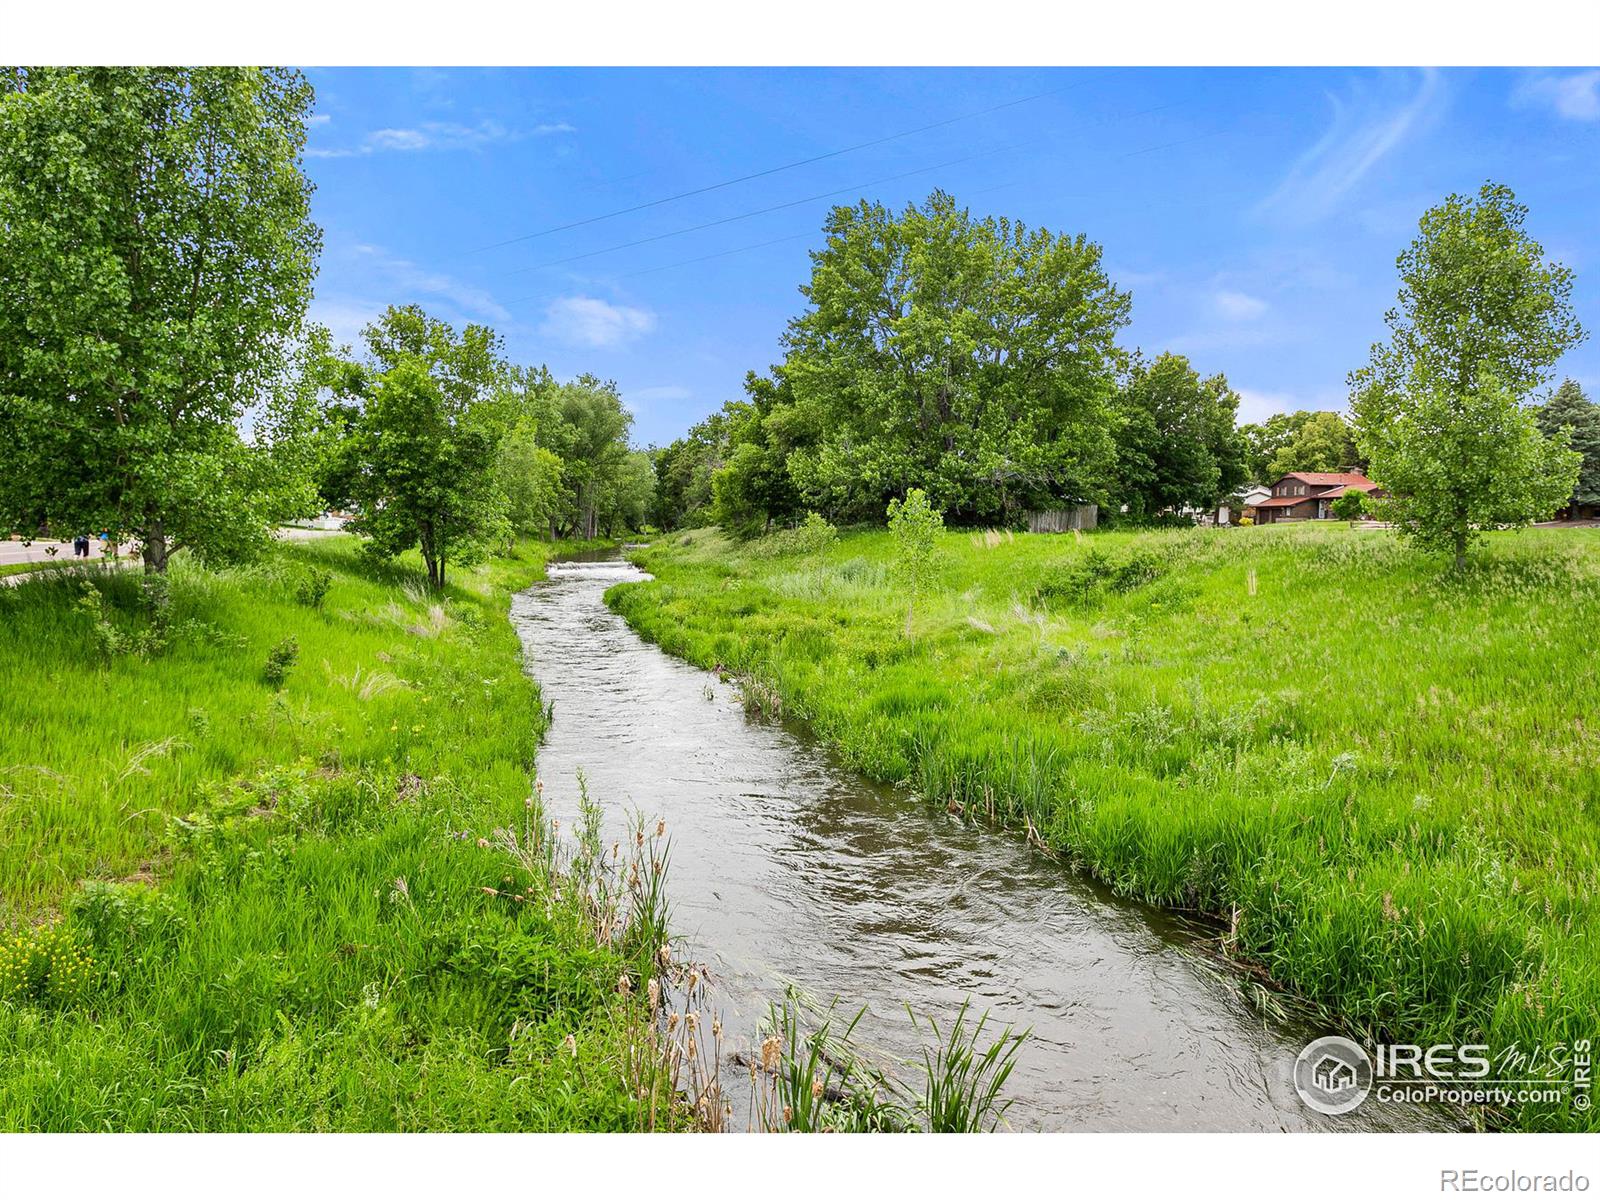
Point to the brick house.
(1309, 495)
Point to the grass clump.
(1381, 777)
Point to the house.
(1309, 495)
(1247, 501)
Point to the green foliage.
(963, 1082)
(812, 536)
(529, 475)
(1176, 442)
(973, 358)
(1481, 320)
(1086, 580)
(1351, 506)
(296, 915)
(44, 965)
(1568, 408)
(915, 528)
(1324, 442)
(312, 585)
(158, 247)
(1178, 740)
(1299, 441)
(280, 661)
(588, 427)
(429, 433)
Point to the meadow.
(1380, 779)
(271, 858)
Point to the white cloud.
(318, 119)
(1257, 406)
(1365, 129)
(402, 281)
(1238, 306)
(594, 323)
(439, 135)
(1575, 96)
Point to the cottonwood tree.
(1176, 441)
(435, 408)
(973, 358)
(590, 432)
(1482, 318)
(158, 253)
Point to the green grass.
(1386, 781)
(226, 905)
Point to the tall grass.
(236, 904)
(1384, 777)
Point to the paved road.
(12, 551)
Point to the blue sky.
(1254, 215)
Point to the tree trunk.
(154, 548)
(1461, 549)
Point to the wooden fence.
(1064, 520)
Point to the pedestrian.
(80, 546)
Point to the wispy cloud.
(1575, 97)
(667, 392)
(594, 323)
(439, 135)
(1366, 128)
(373, 271)
(1238, 306)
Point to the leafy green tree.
(1481, 320)
(1264, 441)
(1571, 410)
(529, 476)
(1176, 441)
(590, 433)
(627, 495)
(429, 437)
(1324, 442)
(1459, 464)
(157, 251)
(915, 525)
(973, 358)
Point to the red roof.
(1331, 478)
(1335, 493)
(1286, 501)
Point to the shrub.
(812, 536)
(1351, 506)
(280, 660)
(311, 589)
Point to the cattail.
(625, 985)
(661, 827)
(816, 1087)
(665, 955)
(771, 1054)
(655, 995)
(538, 786)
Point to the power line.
(689, 262)
(712, 187)
(856, 187)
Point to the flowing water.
(789, 868)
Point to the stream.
(790, 868)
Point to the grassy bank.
(235, 896)
(1385, 782)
